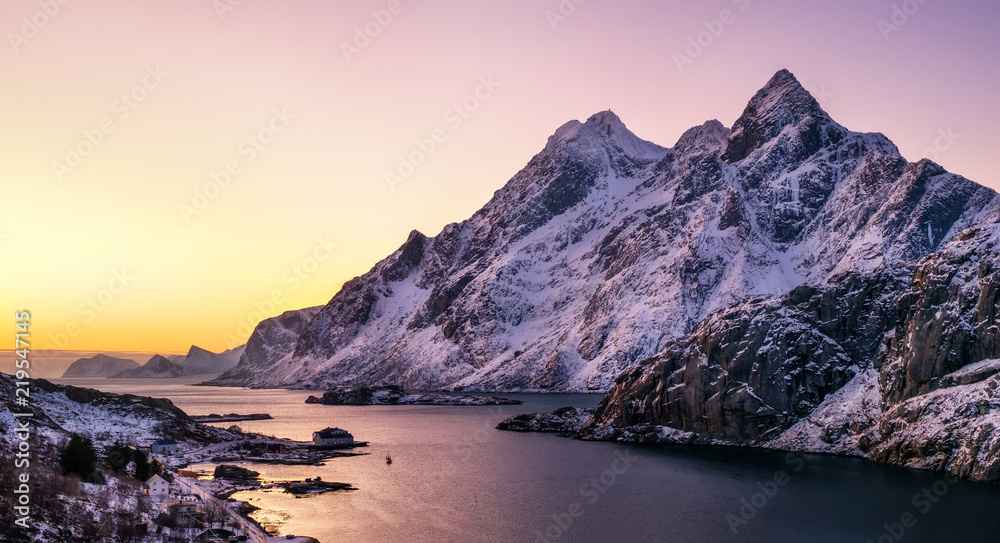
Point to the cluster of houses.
(186, 514)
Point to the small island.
(231, 417)
(311, 486)
(394, 395)
(565, 420)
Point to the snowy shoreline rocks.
(565, 420)
(394, 395)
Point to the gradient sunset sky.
(105, 257)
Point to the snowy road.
(250, 528)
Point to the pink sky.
(209, 88)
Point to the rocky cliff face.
(606, 247)
(900, 367)
(749, 372)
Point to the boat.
(388, 459)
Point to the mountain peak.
(196, 350)
(605, 119)
(782, 102)
(606, 134)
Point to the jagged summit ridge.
(604, 139)
(605, 247)
(782, 103)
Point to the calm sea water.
(455, 478)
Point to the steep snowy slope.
(272, 340)
(605, 246)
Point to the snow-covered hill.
(606, 246)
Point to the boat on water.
(388, 459)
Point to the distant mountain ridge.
(197, 362)
(605, 247)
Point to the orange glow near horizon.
(172, 173)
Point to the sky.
(174, 171)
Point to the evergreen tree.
(78, 457)
(119, 457)
(143, 471)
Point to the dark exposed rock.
(751, 371)
(234, 473)
(313, 486)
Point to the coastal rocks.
(234, 473)
(394, 395)
(231, 417)
(566, 420)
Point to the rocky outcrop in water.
(234, 473)
(565, 420)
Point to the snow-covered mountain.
(97, 366)
(606, 246)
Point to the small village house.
(156, 487)
(186, 514)
(164, 446)
(329, 437)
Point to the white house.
(164, 446)
(328, 437)
(156, 487)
